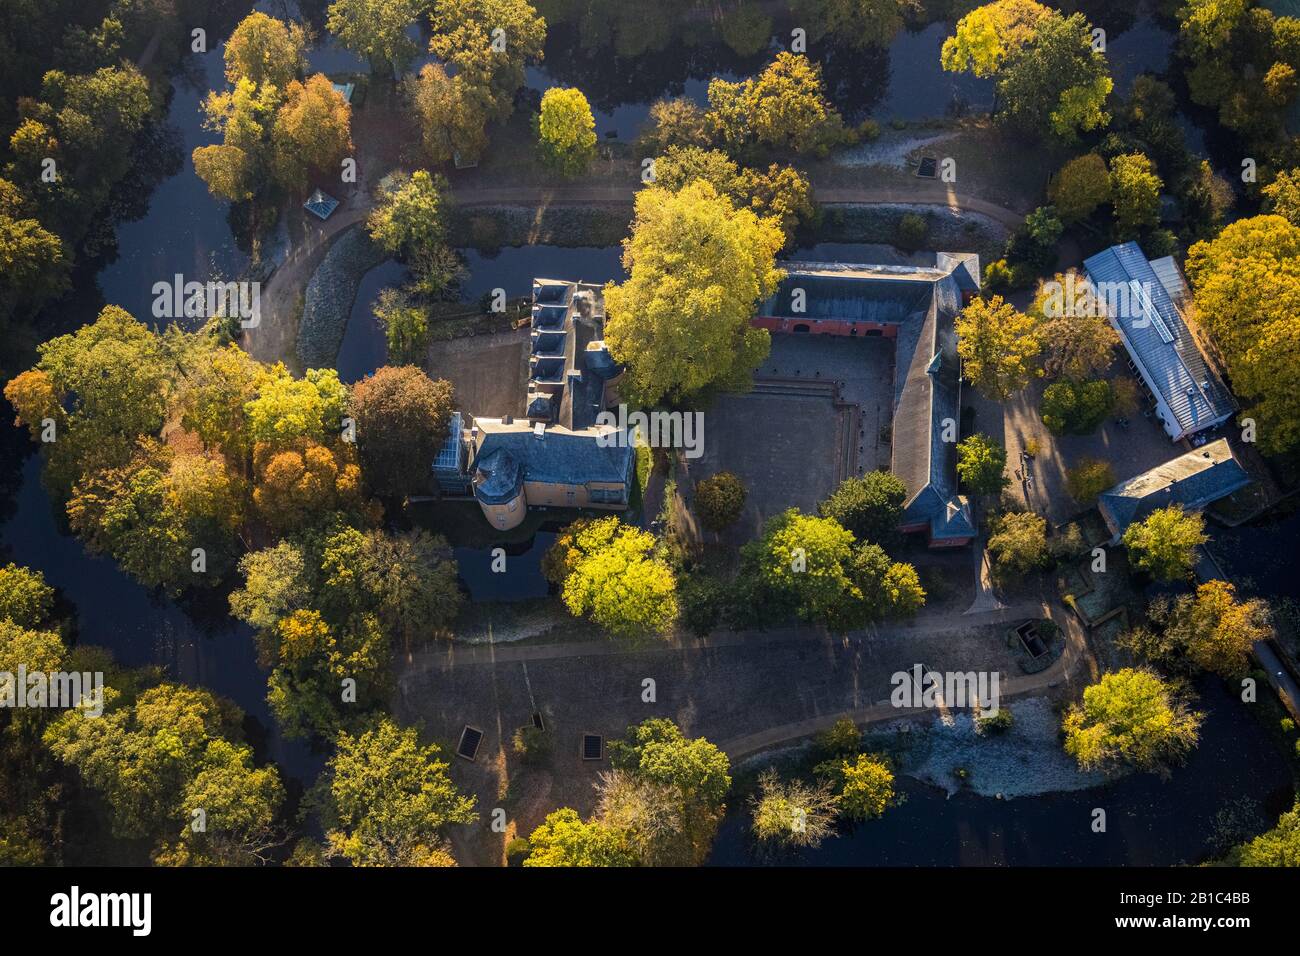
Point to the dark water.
(1150, 822)
(364, 347)
(522, 578)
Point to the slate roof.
(511, 453)
(1194, 480)
(923, 302)
(1173, 369)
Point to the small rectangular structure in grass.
(470, 738)
(593, 747)
(320, 204)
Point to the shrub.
(995, 723)
(719, 500)
(1088, 479)
(1075, 407)
(532, 744)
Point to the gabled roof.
(512, 452)
(321, 204)
(1156, 335)
(1194, 480)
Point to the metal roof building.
(1142, 301)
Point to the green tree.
(867, 788)
(1247, 284)
(679, 123)
(402, 418)
(998, 346)
(608, 571)
(698, 268)
(287, 408)
(1056, 82)
(566, 131)
(387, 800)
(149, 756)
(987, 35)
(870, 506)
(719, 501)
(1130, 717)
(406, 326)
(376, 29)
(1164, 543)
(668, 792)
(1135, 192)
(1080, 187)
(410, 213)
(563, 839)
(1075, 407)
(1280, 846)
(25, 598)
(981, 463)
(1282, 196)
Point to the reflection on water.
(1149, 821)
(522, 577)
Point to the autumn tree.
(302, 481)
(698, 268)
(1210, 630)
(781, 192)
(265, 50)
(1130, 717)
(784, 107)
(792, 813)
(719, 501)
(406, 326)
(870, 506)
(1078, 340)
(1247, 289)
(998, 345)
(1088, 478)
(1018, 545)
(387, 800)
(1282, 196)
(33, 261)
(866, 788)
(608, 571)
(376, 29)
(402, 419)
(989, 34)
(563, 839)
(1080, 187)
(566, 131)
(679, 122)
(312, 131)
(1164, 543)
(489, 42)
(452, 127)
